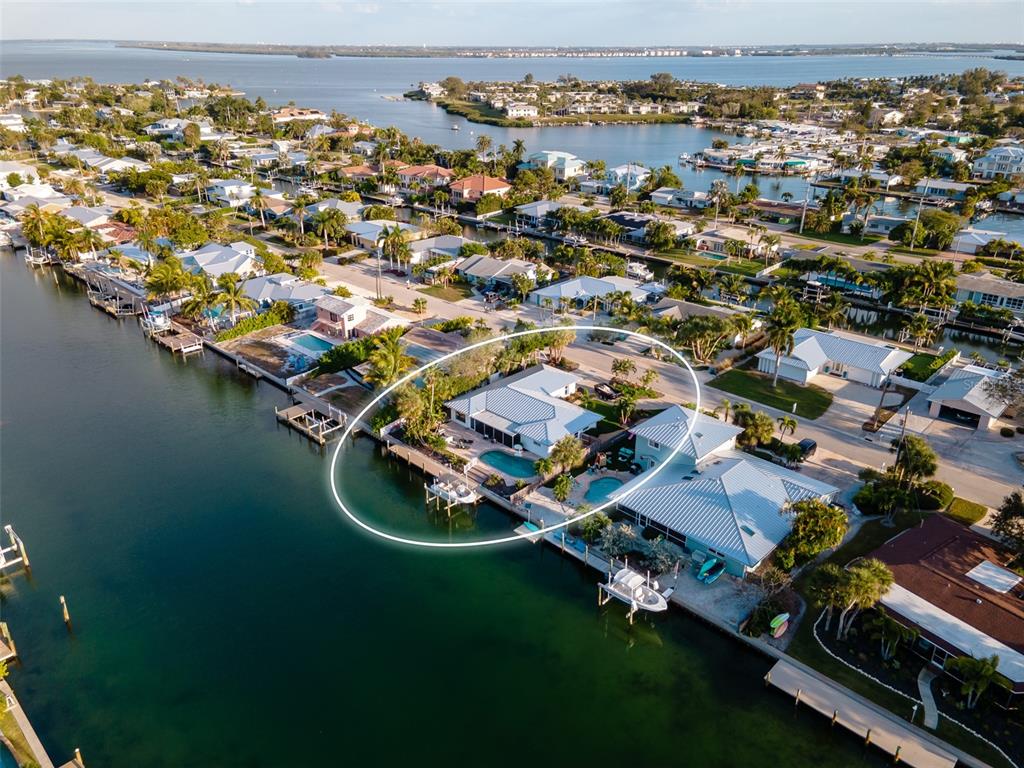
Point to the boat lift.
(15, 554)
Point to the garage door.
(960, 417)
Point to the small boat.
(456, 493)
(782, 618)
(638, 271)
(456, 128)
(631, 588)
(709, 573)
(706, 566)
(780, 630)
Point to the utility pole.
(917, 218)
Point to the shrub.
(1020, 430)
(493, 479)
(1006, 431)
(279, 313)
(934, 495)
(347, 355)
(966, 512)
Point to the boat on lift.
(635, 591)
(639, 271)
(454, 491)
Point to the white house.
(353, 317)
(1005, 161)
(564, 165)
(845, 355)
(27, 173)
(232, 192)
(630, 176)
(485, 271)
(215, 260)
(578, 291)
(680, 198)
(527, 409)
(519, 110)
(970, 240)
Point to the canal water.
(224, 614)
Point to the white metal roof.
(973, 642)
(967, 391)
(994, 576)
(668, 428)
(732, 502)
(867, 354)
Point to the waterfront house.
(173, 128)
(230, 192)
(844, 355)
(874, 176)
(942, 188)
(35, 191)
(729, 504)
(289, 114)
(90, 218)
(955, 588)
(13, 122)
(300, 294)
(716, 240)
(351, 210)
(881, 118)
(629, 176)
(1000, 162)
(874, 224)
(950, 155)
(680, 198)
(538, 213)
(368, 234)
(353, 317)
(964, 398)
(424, 178)
(485, 271)
(991, 291)
(518, 110)
(578, 291)
(445, 247)
(563, 165)
(215, 260)
(527, 409)
(472, 188)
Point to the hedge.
(278, 314)
(347, 355)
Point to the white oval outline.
(646, 477)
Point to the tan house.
(352, 317)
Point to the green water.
(224, 614)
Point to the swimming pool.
(513, 466)
(311, 343)
(599, 489)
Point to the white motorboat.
(634, 590)
(638, 271)
(455, 492)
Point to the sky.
(521, 23)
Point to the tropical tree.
(167, 278)
(1008, 523)
(202, 298)
(833, 310)
(787, 424)
(563, 489)
(568, 452)
(388, 360)
(419, 305)
(258, 201)
(975, 675)
(889, 632)
(781, 325)
(920, 329)
(817, 526)
(523, 284)
(329, 223)
(232, 298)
(868, 580)
(915, 460)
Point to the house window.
(990, 299)
(1017, 302)
(334, 317)
(351, 318)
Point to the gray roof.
(283, 287)
(669, 428)
(733, 503)
(587, 287)
(524, 405)
(985, 282)
(812, 349)
(680, 309)
(483, 266)
(966, 386)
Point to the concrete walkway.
(924, 685)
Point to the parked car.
(807, 448)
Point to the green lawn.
(839, 237)
(811, 401)
(452, 292)
(922, 365)
(747, 267)
(966, 512)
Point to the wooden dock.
(886, 733)
(179, 340)
(314, 421)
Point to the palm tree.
(867, 581)
(167, 278)
(732, 285)
(395, 245)
(419, 305)
(567, 453)
(329, 223)
(975, 675)
(35, 225)
(781, 326)
(203, 298)
(787, 424)
(388, 360)
(233, 299)
(726, 406)
(259, 202)
(833, 310)
(889, 632)
(719, 194)
(919, 329)
(518, 150)
(483, 143)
